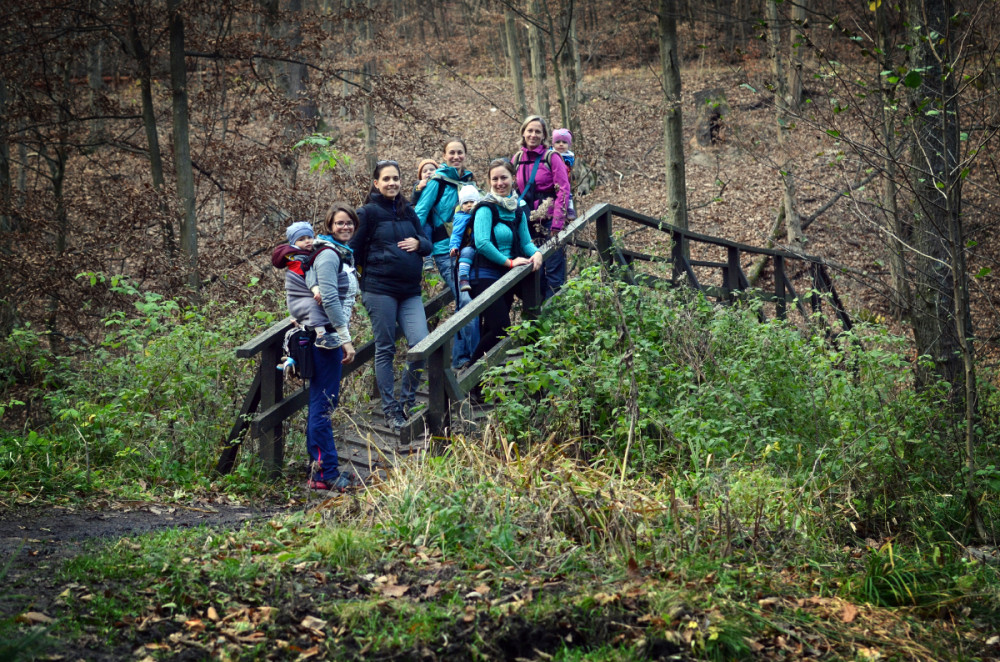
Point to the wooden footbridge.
(369, 445)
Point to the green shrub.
(682, 384)
(152, 403)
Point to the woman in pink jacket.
(541, 174)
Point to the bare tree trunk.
(6, 184)
(182, 146)
(538, 60)
(793, 222)
(296, 74)
(515, 62)
(941, 318)
(371, 139)
(572, 82)
(777, 66)
(557, 67)
(574, 52)
(796, 44)
(673, 139)
(95, 83)
(898, 232)
(138, 51)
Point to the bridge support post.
(532, 295)
(437, 398)
(272, 441)
(604, 246)
(781, 308)
(732, 273)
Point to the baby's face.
(467, 206)
(305, 243)
(561, 146)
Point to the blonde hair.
(528, 120)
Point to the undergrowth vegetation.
(490, 551)
(662, 477)
(666, 383)
(149, 406)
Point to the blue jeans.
(324, 393)
(554, 273)
(385, 312)
(468, 337)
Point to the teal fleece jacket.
(507, 246)
(444, 210)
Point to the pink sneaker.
(317, 485)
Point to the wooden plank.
(472, 310)
(280, 411)
(275, 332)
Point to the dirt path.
(32, 539)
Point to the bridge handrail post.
(732, 273)
(272, 441)
(781, 305)
(604, 228)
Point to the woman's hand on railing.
(536, 261)
(348, 352)
(519, 262)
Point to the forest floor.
(98, 566)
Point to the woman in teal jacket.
(500, 247)
(435, 209)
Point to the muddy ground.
(35, 540)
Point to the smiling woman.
(388, 248)
(502, 243)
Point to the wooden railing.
(444, 385)
(265, 407)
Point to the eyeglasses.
(344, 224)
(379, 164)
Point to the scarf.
(509, 203)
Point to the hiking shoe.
(345, 482)
(326, 341)
(395, 422)
(317, 485)
(464, 286)
(429, 264)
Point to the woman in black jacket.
(388, 249)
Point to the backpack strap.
(440, 232)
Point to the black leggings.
(493, 321)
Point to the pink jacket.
(549, 182)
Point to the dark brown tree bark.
(514, 49)
(673, 139)
(941, 317)
(137, 49)
(537, 47)
(182, 146)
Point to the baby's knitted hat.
(562, 134)
(469, 193)
(298, 230)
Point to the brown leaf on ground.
(195, 624)
(35, 618)
(432, 590)
(314, 625)
(393, 590)
(849, 613)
